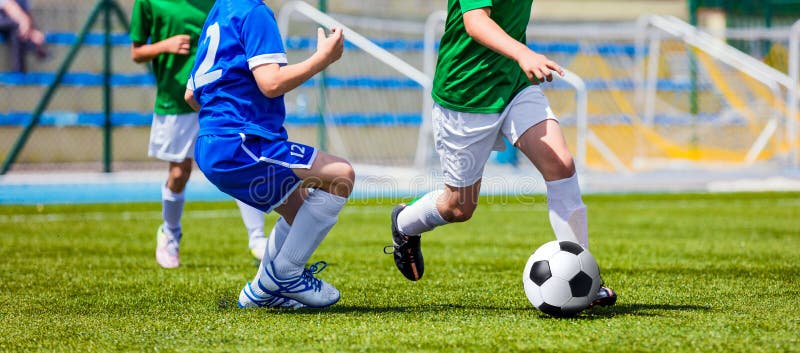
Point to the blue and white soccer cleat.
(249, 299)
(167, 249)
(305, 288)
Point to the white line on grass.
(535, 206)
(139, 215)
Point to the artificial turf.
(694, 273)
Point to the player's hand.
(330, 47)
(538, 67)
(179, 44)
(24, 28)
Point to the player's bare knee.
(563, 169)
(338, 180)
(458, 216)
(464, 214)
(567, 168)
(179, 175)
(343, 183)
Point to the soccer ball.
(561, 278)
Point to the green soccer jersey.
(471, 77)
(156, 20)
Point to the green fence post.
(107, 6)
(107, 127)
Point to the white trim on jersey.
(258, 60)
(275, 161)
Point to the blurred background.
(661, 95)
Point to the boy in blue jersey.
(237, 85)
(163, 33)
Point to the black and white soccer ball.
(561, 278)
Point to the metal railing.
(718, 49)
(107, 8)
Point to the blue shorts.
(252, 169)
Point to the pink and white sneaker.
(167, 249)
(258, 245)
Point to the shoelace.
(391, 249)
(173, 244)
(308, 275)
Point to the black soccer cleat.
(605, 297)
(406, 250)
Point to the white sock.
(313, 221)
(274, 244)
(253, 220)
(171, 210)
(421, 216)
(567, 211)
(277, 237)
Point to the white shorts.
(172, 137)
(464, 141)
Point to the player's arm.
(188, 96)
(18, 15)
(274, 80)
(488, 33)
(143, 52)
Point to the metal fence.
(70, 134)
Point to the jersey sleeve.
(262, 39)
(141, 20)
(469, 5)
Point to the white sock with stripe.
(313, 221)
(274, 244)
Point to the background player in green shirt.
(486, 87)
(165, 32)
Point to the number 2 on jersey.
(204, 76)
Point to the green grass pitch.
(695, 273)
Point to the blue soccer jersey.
(238, 36)
(242, 146)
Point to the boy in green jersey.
(486, 87)
(165, 32)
